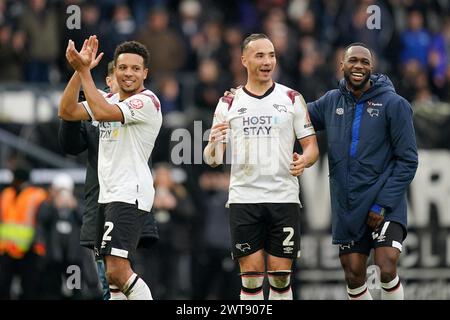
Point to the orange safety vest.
(17, 219)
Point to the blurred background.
(194, 57)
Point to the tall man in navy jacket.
(372, 156)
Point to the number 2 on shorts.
(287, 241)
(109, 226)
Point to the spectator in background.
(422, 90)
(58, 226)
(40, 24)
(415, 40)
(310, 74)
(209, 88)
(438, 60)
(166, 46)
(446, 87)
(353, 27)
(211, 44)
(287, 55)
(12, 53)
(169, 94)
(20, 252)
(214, 272)
(306, 25)
(121, 28)
(169, 91)
(2, 12)
(174, 211)
(333, 72)
(409, 72)
(189, 27)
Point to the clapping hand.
(86, 57)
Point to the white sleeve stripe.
(307, 134)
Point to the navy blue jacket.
(372, 154)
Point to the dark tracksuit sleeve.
(316, 113)
(72, 137)
(403, 140)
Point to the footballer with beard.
(372, 156)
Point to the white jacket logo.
(373, 112)
(372, 108)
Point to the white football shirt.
(125, 148)
(262, 134)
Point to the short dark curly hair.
(358, 44)
(132, 47)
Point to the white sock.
(136, 289)
(252, 286)
(392, 290)
(274, 294)
(361, 293)
(116, 294)
(280, 286)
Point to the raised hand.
(85, 58)
(92, 47)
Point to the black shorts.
(388, 234)
(119, 227)
(274, 227)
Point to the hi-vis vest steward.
(17, 219)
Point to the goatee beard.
(358, 86)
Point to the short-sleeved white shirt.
(262, 134)
(125, 148)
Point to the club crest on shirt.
(373, 112)
(280, 108)
(340, 111)
(136, 103)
